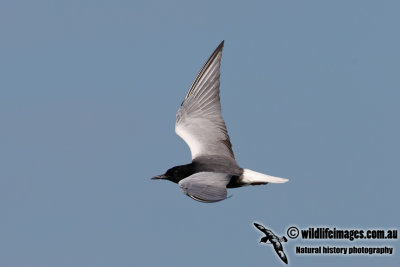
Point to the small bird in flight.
(200, 124)
(274, 240)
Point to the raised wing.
(199, 121)
(206, 186)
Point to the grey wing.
(206, 186)
(199, 121)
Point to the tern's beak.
(161, 176)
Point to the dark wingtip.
(221, 45)
(205, 66)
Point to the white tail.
(254, 178)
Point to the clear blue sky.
(88, 95)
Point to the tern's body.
(200, 124)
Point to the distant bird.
(274, 240)
(200, 124)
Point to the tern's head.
(176, 173)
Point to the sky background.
(89, 90)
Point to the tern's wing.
(199, 122)
(206, 186)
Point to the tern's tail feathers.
(255, 178)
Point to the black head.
(264, 239)
(176, 173)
